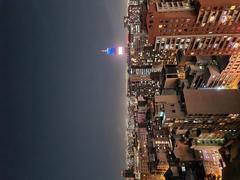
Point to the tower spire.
(113, 51)
(103, 50)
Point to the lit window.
(232, 7)
(212, 18)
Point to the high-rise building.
(199, 27)
(205, 109)
(140, 82)
(211, 71)
(229, 76)
(114, 51)
(133, 20)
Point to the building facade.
(209, 109)
(199, 28)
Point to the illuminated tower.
(114, 51)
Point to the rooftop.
(171, 105)
(212, 101)
(171, 99)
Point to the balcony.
(174, 6)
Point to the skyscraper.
(114, 51)
(197, 27)
(209, 109)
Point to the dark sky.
(62, 103)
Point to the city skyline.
(120, 89)
(183, 90)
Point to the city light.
(114, 51)
(221, 87)
(185, 77)
(120, 50)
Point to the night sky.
(62, 103)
